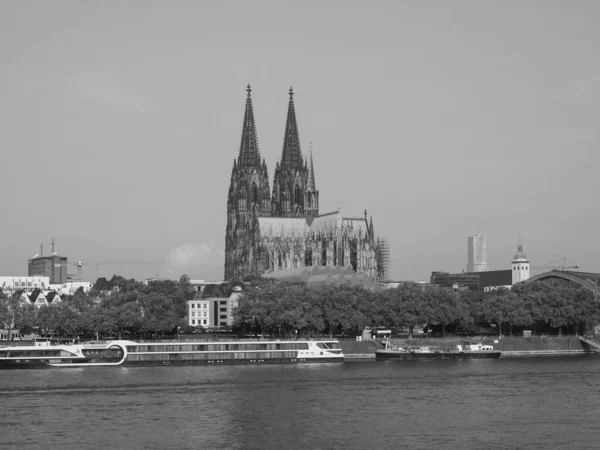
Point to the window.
(193, 322)
(223, 309)
(193, 305)
(223, 316)
(204, 322)
(223, 302)
(193, 313)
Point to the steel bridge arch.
(564, 276)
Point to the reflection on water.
(480, 404)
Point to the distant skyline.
(119, 122)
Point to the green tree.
(440, 306)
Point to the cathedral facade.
(274, 230)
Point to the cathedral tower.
(291, 174)
(248, 198)
(311, 194)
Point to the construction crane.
(131, 262)
(562, 267)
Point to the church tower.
(520, 266)
(291, 174)
(311, 194)
(248, 198)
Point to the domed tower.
(520, 266)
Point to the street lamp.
(178, 332)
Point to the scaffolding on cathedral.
(383, 259)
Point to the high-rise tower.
(477, 253)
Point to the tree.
(335, 308)
(440, 306)
(8, 311)
(158, 313)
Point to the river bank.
(509, 346)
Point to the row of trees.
(296, 308)
(158, 307)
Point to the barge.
(468, 351)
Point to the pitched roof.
(101, 284)
(50, 296)
(34, 295)
(221, 290)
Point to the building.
(521, 269)
(282, 229)
(488, 280)
(53, 267)
(214, 305)
(13, 284)
(477, 253)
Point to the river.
(507, 403)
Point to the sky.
(119, 123)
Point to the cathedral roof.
(291, 155)
(316, 276)
(282, 226)
(249, 154)
(326, 221)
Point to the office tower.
(477, 253)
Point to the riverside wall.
(509, 346)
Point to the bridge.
(588, 280)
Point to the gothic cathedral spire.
(291, 155)
(311, 194)
(289, 183)
(249, 155)
(248, 198)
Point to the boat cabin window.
(328, 345)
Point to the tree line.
(159, 307)
(294, 309)
(297, 309)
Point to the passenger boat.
(130, 353)
(468, 351)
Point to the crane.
(130, 262)
(562, 267)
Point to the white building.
(477, 254)
(214, 306)
(70, 287)
(24, 283)
(520, 266)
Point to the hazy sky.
(120, 120)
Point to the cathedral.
(273, 231)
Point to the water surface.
(528, 403)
